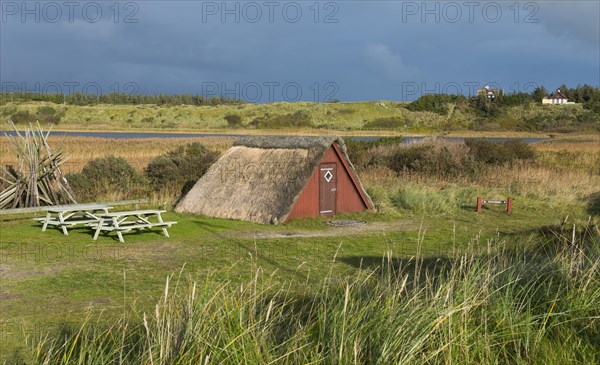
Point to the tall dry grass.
(533, 303)
(138, 152)
(565, 169)
(570, 175)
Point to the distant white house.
(556, 98)
(489, 92)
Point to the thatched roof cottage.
(274, 179)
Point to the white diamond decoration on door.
(328, 176)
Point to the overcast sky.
(303, 50)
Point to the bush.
(485, 108)
(180, 168)
(431, 160)
(499, 152)
(105, 177)
(299, 119)
(233, 120)
(513, 99)
(48, 115)
(361, 152)
(436, 103)
(22, 117)
(44, 114)
(385, 123)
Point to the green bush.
(180, 168)
(44, 115)
(513, 99)
(362, 153)
(485, 108)
(436, 103)
(48, 115)
(106, 177)
(23, 117)
(385, 123)
(593, 104)
(233, 120)
(299, 119)
(499, 152)
(429, 160)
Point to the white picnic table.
(70, 215)
(126, 221)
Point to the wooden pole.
(479, 204)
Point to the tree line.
(79, 98)
(586, 95)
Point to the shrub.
(43, 114)
(499, 152)
(362, 154)
(436, 103)
(22, 117)
(105, 177)
(48, 115)
(299, 119)
(593, 104)
(81, 186)
(233, 120)
(345, 111)
(484, 107)
(414, 158)
(429, 159)
(513, 99)
(385, 123)
(180, 168)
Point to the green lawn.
(49, 279)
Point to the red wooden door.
(327, 188)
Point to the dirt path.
(329, 231)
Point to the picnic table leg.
(48, 216)
(164, 229)
(116, 226)
(100, 224)
(61, 219)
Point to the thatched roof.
(321, 142)
(259, 179)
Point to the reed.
(138, 152)
(528, 302)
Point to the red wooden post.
(509, 205)
(479, 204)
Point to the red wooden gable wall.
(349, 198)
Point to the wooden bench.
(120, 222)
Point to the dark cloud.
(368, 50)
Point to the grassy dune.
(347, 117)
